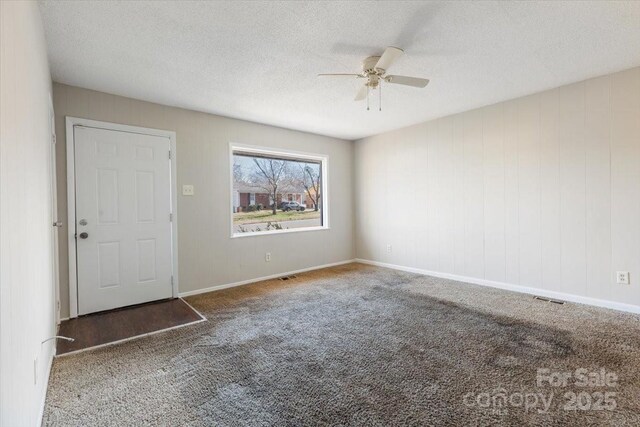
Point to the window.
(276, 191)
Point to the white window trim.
(285, 154)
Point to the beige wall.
(26, 263)
(541, 191)
(207, 254)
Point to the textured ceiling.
(258, 60)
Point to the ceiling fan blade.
(389, 57)
(407, 81)
(340, 75)
(362, 93)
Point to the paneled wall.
(541, 191)
(207, 255)
(27, 293)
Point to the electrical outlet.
(389, 248)
(267, 257)
(187, 190)
(622, 277)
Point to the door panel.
(146, 260)
(145, 194)
(107, 196)
(123, 201)
(108, 264)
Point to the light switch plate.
(187, 190)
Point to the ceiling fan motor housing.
(374, 74)
(369, 64)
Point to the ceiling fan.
(374, 69)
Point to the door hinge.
(171, 280)
(170, 217)
(169, 154)
(53, 139)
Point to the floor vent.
(554, 301)
(288, 277)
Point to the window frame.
(283, 154)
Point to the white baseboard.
(260, 279)
(515, 288)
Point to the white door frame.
(71, 123)
(55, 222)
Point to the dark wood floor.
(114, 325)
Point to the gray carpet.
(357, 346)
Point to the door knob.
(84, 235)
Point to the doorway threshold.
(124, 324)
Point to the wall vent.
(293, 276)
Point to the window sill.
(271, 232)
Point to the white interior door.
(123, 225)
